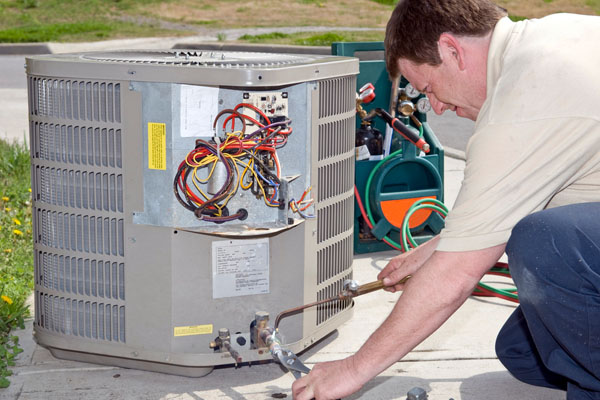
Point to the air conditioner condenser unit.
(182, 195)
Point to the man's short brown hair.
(416, 25)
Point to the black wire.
(207, 210)
(269, 136)
(235, 114)
(227, 187)
(189, 205)
(204, 211)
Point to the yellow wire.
(196, 179)
(249, 166)
(265, 195)
(212, 159)
(208, 160)
(230, 195)
(238, 134)
(256, 177)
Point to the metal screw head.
(261, 316)
(416, 393)
(223, 333)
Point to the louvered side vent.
(76, 100)
(336, 138)
(337, 96)
(328, 310)
(86, 319)
(335, 207)
(78, 207)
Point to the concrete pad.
(465, 379)
(453, 177)
(450, 128)
(456, 362)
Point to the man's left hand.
(328, 381)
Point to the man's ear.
(451, 49)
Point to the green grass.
(202, 22)
(16, 249)
(55, 32)
(72, 20)
(80, 31)
(324, 39)
(264, 37)
(314, 39)
(386, 2)
(516, 18)
(595, 4)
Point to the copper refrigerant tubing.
(343, 295)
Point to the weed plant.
(16, 250)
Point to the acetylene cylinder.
(371, 137)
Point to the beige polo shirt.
(537, 137)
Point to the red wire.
(489, 293)
(186, 189)
(232, 119)
(306, 207)
(252, 107)
(365, 217)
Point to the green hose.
(505, 292)
(419, 205)
(368, 188)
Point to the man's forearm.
(407, 263)
(433, 294)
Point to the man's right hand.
(406, 264)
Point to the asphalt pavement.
(457, 362)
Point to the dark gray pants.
(553, 338)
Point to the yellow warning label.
(157, 145)
(192, 330)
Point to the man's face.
(445, 86)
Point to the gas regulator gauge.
(406, 108)
(423, 105)
(411, 92)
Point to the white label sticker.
(199, 107)
(240, 267)
(362, 152)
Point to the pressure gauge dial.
(423, 105)
(411, 92)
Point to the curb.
(24, 48)
(455, 153)
(260, 48)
